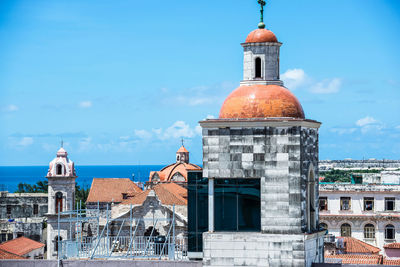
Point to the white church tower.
(61, 197)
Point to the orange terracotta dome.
(261, 101)
(261, 36)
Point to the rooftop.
(111, 189)
(21, 245)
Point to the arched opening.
(311, 218)
(390, 233)
(59, 202)
(323, 226)
(345, 230)
(369, 231)
(151, 232)
(59, 169)
(258, 67)
(177, 158)
(56, 241)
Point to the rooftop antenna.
(261, 25)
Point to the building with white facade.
(368, 212)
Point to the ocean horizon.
(11, 176)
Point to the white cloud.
(177, 130)
(10, 108)
(327, 86)
(85, 104)
(397, 127)
(85, 144)
(210, 117)
(143, 134)
(369, 124)
(25, 141)
(198, 130)
(342, 131)
(365, 121)
(293, 78)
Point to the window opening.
(59, 201)
(323, 226)
(35, 209)
(345, 229)
(368, 203)
(389, 203)
(345, 203)
(8, 209)
(59, 169)
(258, 67)
(323, 203)
(369, 231)
(390, 232)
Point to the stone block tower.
(61, 197)
(261, 161)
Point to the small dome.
(261, 101)
(261, 36)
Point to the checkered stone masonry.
(281, 157)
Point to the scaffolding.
(129, 242)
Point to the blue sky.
(121, 82)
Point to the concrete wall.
(98, 263)
(22, 204)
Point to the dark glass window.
(197, 210)
(237, 205)
(368, 203)
(389, 203)
(8, 209)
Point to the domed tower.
(261, 161)
(61, 197)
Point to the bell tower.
(61, 197)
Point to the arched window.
(56, 243)
(258, 67)
(59, 201)
(390, 232)
(323, 226)
(369, 231)
(59, 169)
(345, 229)
(311, 218)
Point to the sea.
(11, 176)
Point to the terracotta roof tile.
(111, 189)
(169, 171)
(391, 262)
(182, 149)
(167, 193)
(5, 255)
(354, 245)
(356, 259)
(392, 245)
(21, 245)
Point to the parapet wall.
(96, 263)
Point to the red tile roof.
(356, 259)
(353, 245)
(111, 189)
(182, 149)
(391, 262)
(5, 255)
(167, 193)
(392, 245)
(169, 171)
(21, 245)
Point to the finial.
(261, 25)
(62, 142)
(182, 141)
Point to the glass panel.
(225, 205)
(249, 210)
(197, 210)
(389, 203)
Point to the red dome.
(261, 36)
(261, 101)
